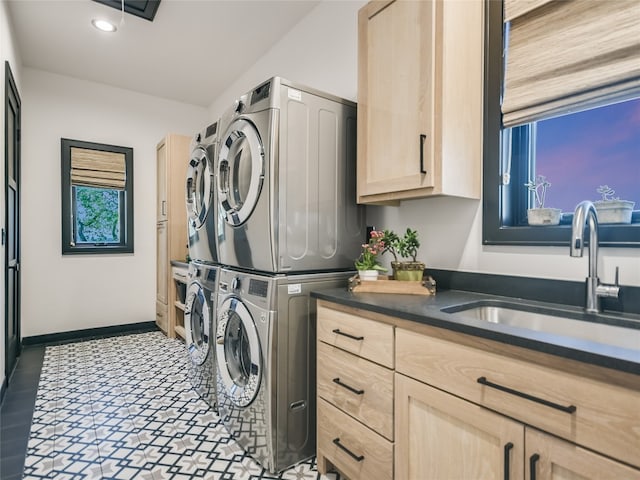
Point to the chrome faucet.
(586, 213)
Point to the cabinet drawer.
(370, 457)
(363, 337)
(161, 316)
(591, 413)
(340, 373)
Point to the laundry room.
(182, 82)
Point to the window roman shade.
(569, 55)
(95, 168)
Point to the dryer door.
(240, 171)
(197, 323)
(199, 186)
(238, 354)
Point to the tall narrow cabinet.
(171, 219)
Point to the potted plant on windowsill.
(541, 215)
(404, 247)
(612, 210)
(367, 263)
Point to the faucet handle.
(617, 279)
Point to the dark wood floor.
(17, 410)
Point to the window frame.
(503, 206)
(125, 245)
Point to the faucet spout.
(585, 214)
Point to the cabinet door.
(161, 154)
(441, 436)
(395, 96)
(550, 458)
(162, 267)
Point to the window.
(579, 140)
(97, 198)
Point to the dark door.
(11, 238)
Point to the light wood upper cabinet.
(161, 206)
(420, 69)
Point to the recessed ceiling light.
(103, 25)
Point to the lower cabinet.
(431, 404)
(551, 458)
(440, 436)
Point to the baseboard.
(89, 334)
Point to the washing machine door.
(199, 187)
(197, 323)
(238, 353)
(240, 171)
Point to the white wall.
(321, 51)
(71, 292)
(8, 52)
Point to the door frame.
(11, 90)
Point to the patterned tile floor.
(123, 408)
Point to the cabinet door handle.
(344, 385)
(542, 401)
(532, 466)
(164, 207)
(507, 460)
(338, 332)
(422, 139)
(357, 458)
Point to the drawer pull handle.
(344, 385)
(422, 139)
(532, 466)
(507, 460)
(338, 332)
(569, 409)
(357, 458)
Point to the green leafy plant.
(404, 247)
(368, 259)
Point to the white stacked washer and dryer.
(287, 224)
(202, 289)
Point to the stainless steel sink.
(613, 330)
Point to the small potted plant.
(610, 209)
(541, 215)
(404, 247)
(367, 263)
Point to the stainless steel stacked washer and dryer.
(288, 224)
(202, 290)
(200, 187)
(265, 349)
(199, 322)
(285, 182)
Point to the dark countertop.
(427, 310)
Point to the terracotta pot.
(408, 271)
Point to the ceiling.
(192, 51)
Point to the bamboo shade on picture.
(569, 55)
(94, 168)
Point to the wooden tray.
(426, 286)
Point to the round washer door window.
(197, 321)
(199, 191)
(240, 172)
(238, 352)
